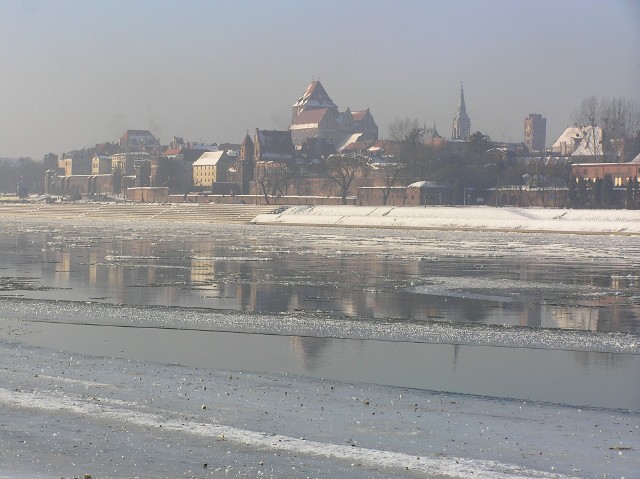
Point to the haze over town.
(78, 73)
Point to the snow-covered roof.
(210, 158)
(359, 114)
(591, 144)
(427, 184)
(582, 137)
(569, 136)
(315, 96)
(348, 140)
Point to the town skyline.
(212, 71)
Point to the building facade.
(620, 173)
(211, 168)
(101, 165)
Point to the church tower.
(315, 97)
(461, 129)
(535, 132)
(245, 164)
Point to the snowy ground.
(68, 415)
(476, 217)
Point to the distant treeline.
(22, 170)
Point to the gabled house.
(211, 168)
(580, 141)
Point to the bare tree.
(342, 170)
(619, 117)
(389, 174)
(271, 178)
(413, 155)
(400, 128)
(587, 113)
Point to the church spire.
(462, 108)
(461, 128)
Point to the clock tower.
(535, 132)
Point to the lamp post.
(465, 196)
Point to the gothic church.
(315, 115)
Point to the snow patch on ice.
(454, 467)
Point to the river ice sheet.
(65, 413)
(64, 416)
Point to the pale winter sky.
(79, 72)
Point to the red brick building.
(620, 173)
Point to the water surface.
(535, 282)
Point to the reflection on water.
(551, 281)
(566, 377)
(484, 278)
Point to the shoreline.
(431, 218)
(462, 218)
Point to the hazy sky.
(79, 72)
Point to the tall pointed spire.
(462, 108)
(461, 128)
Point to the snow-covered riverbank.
(462, 218)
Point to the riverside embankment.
(478, 218)
(482, 218)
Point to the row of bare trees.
(619, 118)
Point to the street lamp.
(465, 196)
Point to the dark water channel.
(531, 280)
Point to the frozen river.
(339, 318)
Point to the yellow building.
(211, 168)
(100, 165)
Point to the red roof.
(359, 115)
(310, 116)
(387, 146)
